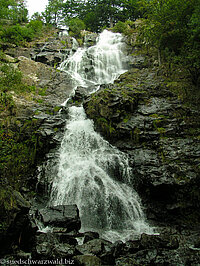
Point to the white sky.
(36, 6)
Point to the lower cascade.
(91, 173)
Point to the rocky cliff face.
(30, 126)
(141, 115)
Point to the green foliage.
(13, 10)
(166, 23)
(125, 28)
(10, 79)
(173, 28)
(120, 27)
(35, 26)
(76, 25)
(53, 13)
(20, 35)
(36, 17)
(12, 15)
(17, 35)
(6, 102)
(95, 14)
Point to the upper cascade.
(98, 64)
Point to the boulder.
(163, 240)
(94, 247)
(47, 246)
(66, 216)
(18, 225)
(90, 236)
(54, 51)
(87, 260)
(90, 39)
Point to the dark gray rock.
(49, 58)
(66, 216)
(90, 39)
(94, 247)
(87, 260)
(142, 117)
(54, 51)
(159, 241)
(47, 246)
(90, 236)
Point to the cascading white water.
(92, 173)
(98, 64)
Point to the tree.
(166, 23)
(131, 9)
(100, 13)
(37, 16)
(53, 12)
(14, 10)
(191, 49)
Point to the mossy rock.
(110, 106)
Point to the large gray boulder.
(66, 216)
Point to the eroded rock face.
(53, 51)
(142, 117)
(56, 84)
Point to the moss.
(7, 205)
(106, 126)
(57, 109)
(18, 148)
(39, 100)
(135, 135)
(20, 145)
(155, 116)
(42, 91)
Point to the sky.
(36, 6)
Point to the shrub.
(76, 25)
(120, 27)
(17, 34)
(125, 28)
(10, 78)
(35, 26)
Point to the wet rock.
(66, 216)
(49, 58)
(159, 241)
(137, 61)
(95, 247)
(81, 93)
(19, 225)
(52, 52)
(47, 246)
(140, 116)
(90, 236)
(90, 39)
(88, 260)
(92, 247)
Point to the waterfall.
(91, 172)
(98, 64)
